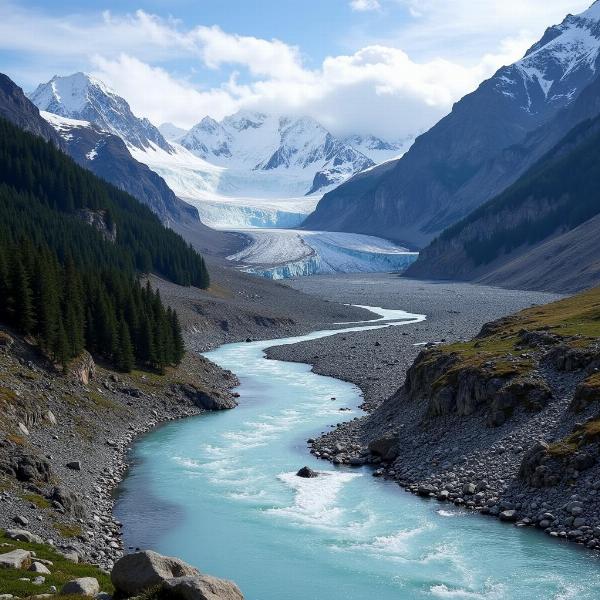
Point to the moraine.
(220, 491)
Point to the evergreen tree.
(125, 356)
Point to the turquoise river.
(219, 490)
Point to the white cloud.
(379, 88)
(364, 5)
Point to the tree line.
(63, 282)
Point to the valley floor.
(377, 361)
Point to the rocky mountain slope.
(99, 151)
(540, 233)
(446, 173)
(106, 155)
(16, 108)
(505, 424)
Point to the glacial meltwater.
(220, 491)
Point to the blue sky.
(391, 67)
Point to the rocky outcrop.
(99, 220)
(138, 572)
(15, 559)
(83, 368)
(213, 400)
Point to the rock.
(70, 501)
(75, 465)
(208, 401)
(469, 488)
(84, 586)
(508, 515)
(20, 520)
(137, 572)
(71, 556)
(23, 429)
(84, 368)
(201, 587)
(49, 416)
(386, 447)
(27, 468)
(16, 559)
(23, 536)
(307, 473)
(38, 567)
(426, 490)
(39, 580)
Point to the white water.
(220, 491)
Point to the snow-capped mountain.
(250, 168)
(558, 66)
(463, 160)
(171, 132)
(107, 155)
(85, 98)
(376, 149)
(260, 142)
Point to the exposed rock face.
(70, 501)
(83, 368)
(435, 379)
(26, 467)
(201, 587)
(208, 401)
(135, 573)
(16, 108)
(98, 219)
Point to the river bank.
(504, 424)
(64, 441)
(377, 361)
(231, 478)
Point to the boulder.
(74, 465)
(84, 586)
(70, 501)
(508, 515)
(307, 473)
(384, 447)
(23, 536)
(201, 587)
(38, 567)
(16, 559)
(134, 573)
(426, 490)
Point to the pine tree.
(22, 298)
(125, 357)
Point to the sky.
(387, 67)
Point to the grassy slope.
(62, 571)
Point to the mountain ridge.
(432, 185)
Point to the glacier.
(281, 254)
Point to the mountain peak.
(84, 97)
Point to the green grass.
(67, 530)
(576, 319)
(585, 434)
(62, 572)
(38, 500)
